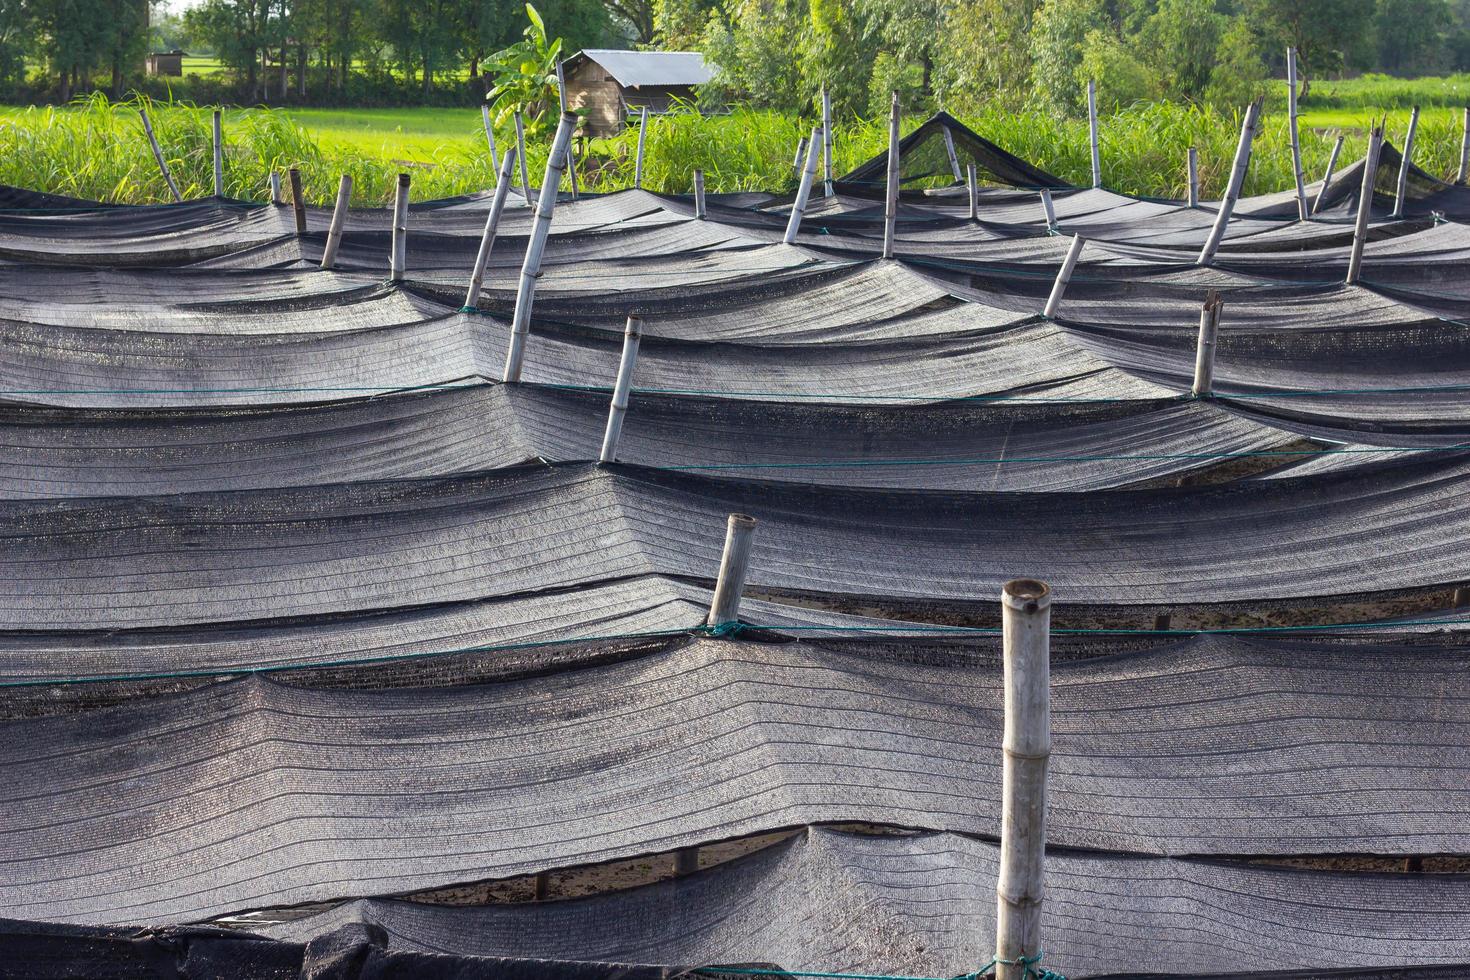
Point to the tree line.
(770, 53)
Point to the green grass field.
(416, 134)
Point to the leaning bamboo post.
(1327, 177)
(803, 190)
(1402, 190)
(339, 218)
(890, 198)
(973, 186)
(1092, 132)
(1232, 190)
(561, 94)
(800, 154)
(642, 133)
(492, 223)
(275, 182)
(619, 408)
(1204, 355)
(520, 325)
(490, 137)
(725, 604)
(521, 156)
(398, 262)
(1365, 205)
(699, 194)
(826, 143)
(1026, 645)
(1064, 276)
(1192, 166)
(1296, 140)
(168, 178)
(1464, 170)
(1048, 210)
(219, 156)
(298, 200)
(954, 160)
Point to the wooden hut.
(610, 85)
(166, 63)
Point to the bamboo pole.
(803, 190)
(168, 178)
(1064, 276)
(219, 156)
(492, 223)
(521, 156)
(1204, 355)
(619, 408)
(686, 860)
(954, 160)
(339, 218)
(642, 132)
(973, 186)
(1192, 166)
(800, 154)
(826, 143)
(1464, 170)
(398, 262)
(1026, 629)
(1232, 191)
(1327, 177)
(1402, 190)
(890, 197)
(1092, 132)
(1296, 141)
(561, 94)
(699, 194)
(1048, 210)
(535, 247)
(275, 182)
(725, 604)
(298, 200)
(1365, 204)
(490, 138)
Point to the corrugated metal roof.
(632, 69)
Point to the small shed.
(612, 84)
(166, 63)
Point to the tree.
(16, 32)
(680, 24)
(1326, 33)
(637, 15)
(1239, 77)
(1058, 33)
(751, 48)
(1179, 42)
(836, 54)
(1122, 77)
(987, 56)
(1411, 35)
(525, 74)
(238, 31)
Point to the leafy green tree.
(1239, 77)
(986, 59)
(525, 76)
(751, 47)
(1411, 35)
(1179, 42)
(1122, 77)
(679, 25)
(1326, 33)
(16, 32)
(836, 53)
(1058, 33)
(237, 31)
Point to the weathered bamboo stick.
(826, 143)
(1064, 276)
(492, 223)
(298, 199)
(699, 194)
(168, 178)
(954, 160)
(1402, 190)
(800, 154)
(1026, 628)
(398, 263)
(535, 247)
(1464, 170)
(1204, 355)
(1365, 204)
(275, 182)
(725, 605)
(339, 218)
(1192, 165)
(1327, 177)
(619, 408)
(219, 156)
(1232, 190)
(1092, 132)
(890, 197)
(490, 138)
(561, 94)
(1296, 141)
(973, 186)
(642, 132)
(1048, 210)
(803, 190)
(521, 156)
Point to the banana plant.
(525, 76)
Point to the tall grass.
(97, 149)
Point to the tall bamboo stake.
(1204, 355)
(1048, 210)
(490, 137)
(398, 263)
(973, 186)
(219, 156)
(298, 199)
(1092, 132)
(1064, 276)
(520, 325)
(168, 178)
(642, 132)
(1296, 141)
(1327, 177)
(699, 194)
(725, 605)
(619, 408)
(561, 94)
(339, 218)
(1192, 165)
(1402, 190)
(492, 223)
(1464, 170)
(1232, 191)
(826, 142)
(521, 156)
(275, 182)
(954, 160)
(890, 199)
(1365, 204)
(803, 190)
(1026, 645)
